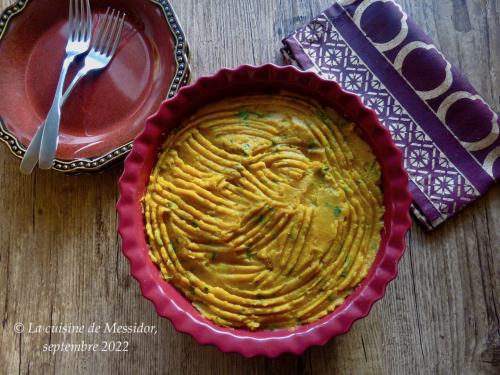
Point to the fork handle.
(81, 73)
(32, 153)
(30, 157)
(50, 133)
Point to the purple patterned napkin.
(448, 134)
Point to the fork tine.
(111, 36)
(107, 32)
(82, 21)
(70, 22)
(101, 28)
(118, 35)
(89, 21)
(76, 21)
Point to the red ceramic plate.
(169, 302)
(106, 110)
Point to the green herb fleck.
(246, 148)
(260, 219)
(292, 236)
(259, 296)
(249, 254)
(244, 115)
(346, 189)
(371, 169)
(332, 297)
(194, 224)
(158, 238)
(337, 211)
(205, 290)
(191, 290)
(324, 117)
(172, 246)
(347, 265)
(213, 256)
(267, 206)
(312, 145)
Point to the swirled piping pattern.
(265, 211)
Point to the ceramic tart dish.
(169, 302)
(107, 110)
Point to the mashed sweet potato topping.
(265, 211)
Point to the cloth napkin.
(448, 134)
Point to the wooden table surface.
(60, 258)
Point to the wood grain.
(60, 259)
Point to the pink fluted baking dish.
(169, 302)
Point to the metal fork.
(104, 47)
(100, 55)
(79, 34)
(98, 58)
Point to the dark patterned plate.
(106, 110)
